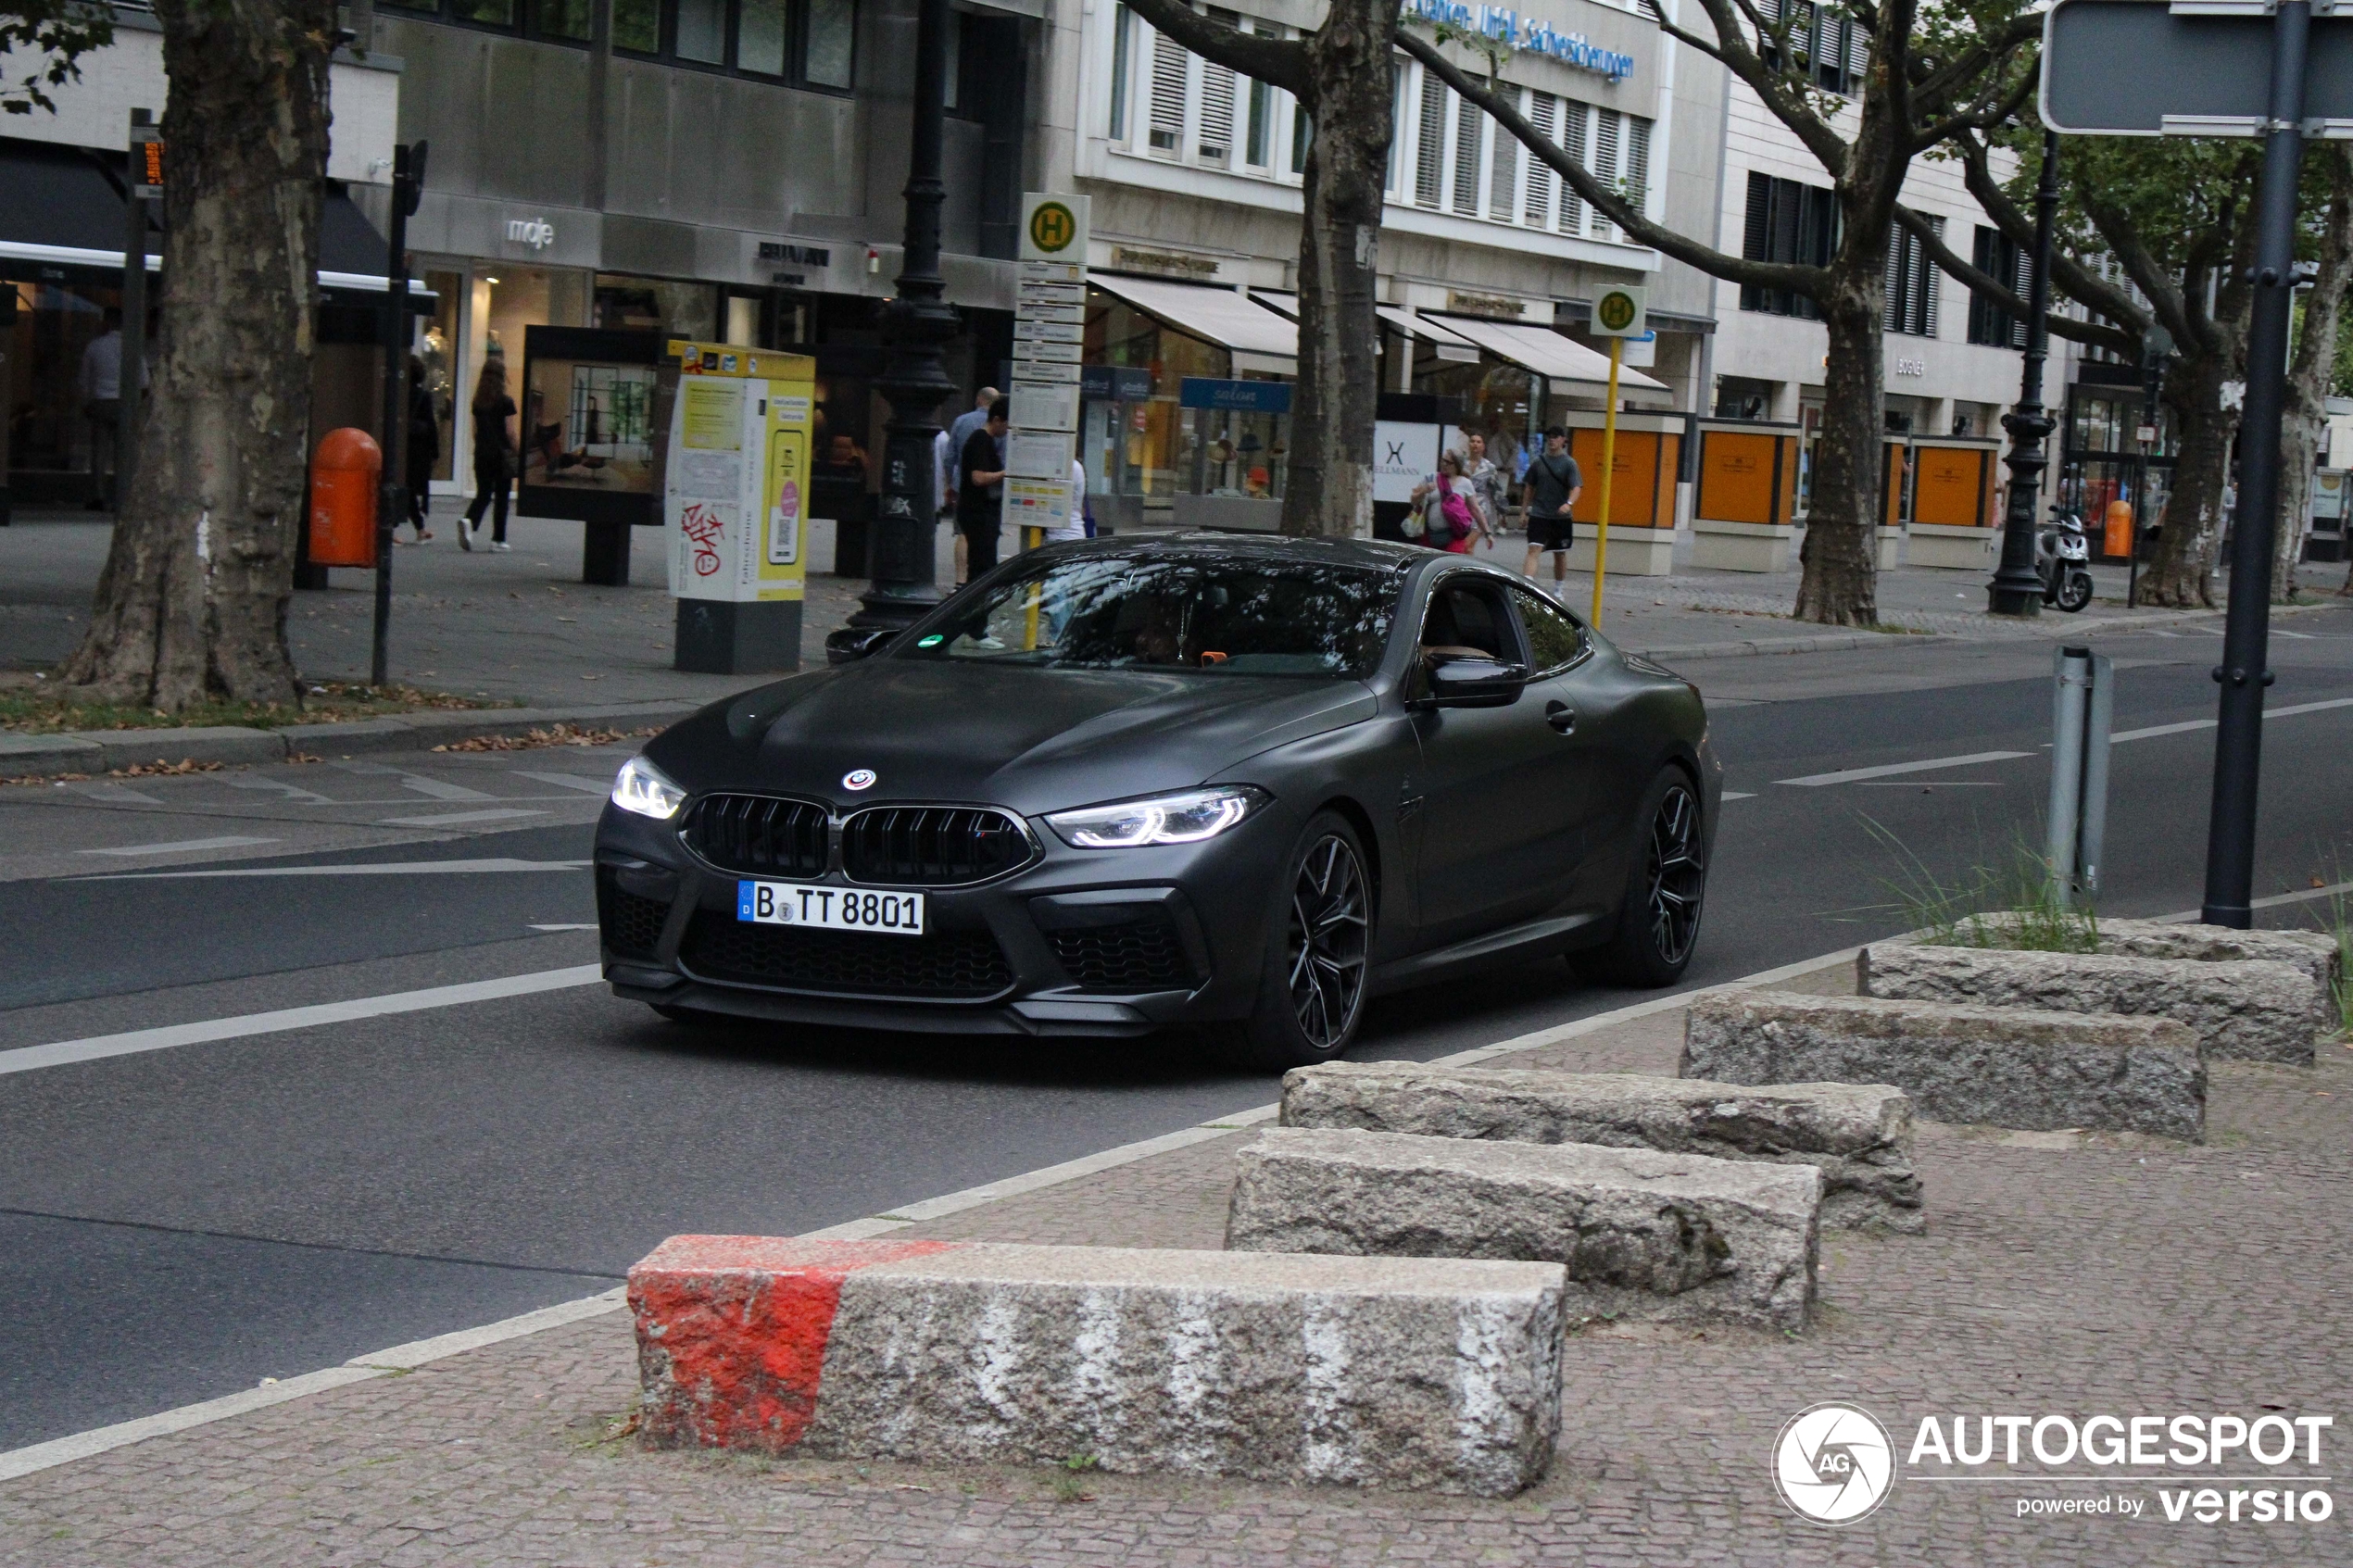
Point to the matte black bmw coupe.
(1206, 780)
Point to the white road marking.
(459, 819)
(1936, 783)
(112, 795)
(27, 1058)
(387, 868)
(1740, 795)
(293, 793)
(1848, 775)
(437, 790)
(571, 780)
(176, 846)
(2269, 713)
(2299, 636)
(590, 926)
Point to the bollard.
(2082, 714)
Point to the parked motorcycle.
(2063, 560)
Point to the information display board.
(737, 481)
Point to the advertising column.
(1049, 325)
(735, 491)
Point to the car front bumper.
(1077, 942)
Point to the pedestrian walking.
(1554, 485)
(958, 432)
(102, 404)
(424, 446)
(1444, 503)
(980, 491)
(494, 453)
(1487, 489)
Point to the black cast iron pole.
(131, 373)
(2152, 386)
(407, 172)
(916, 323)
(2246, 667)
(2017, 588)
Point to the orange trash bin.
(344, 478)
(2120, 529)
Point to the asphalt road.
(180, 1224)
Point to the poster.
(736, 490)
(583, 424)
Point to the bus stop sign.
(2198, 67)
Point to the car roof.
(1375, 553)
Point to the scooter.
(2063, 560)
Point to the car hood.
(1032, 740)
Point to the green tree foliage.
(45, 40)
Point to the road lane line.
(387, 868)
(570, 781)
(178, 844)
(437, 790)
(2187, 725)
(28, 1058)
(459, 819)
(1848, 775)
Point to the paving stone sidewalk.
(2060, 1273)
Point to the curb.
(32, 756)
(1831, 643)
(2053, 628)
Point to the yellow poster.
(713, 415)
(781, 571)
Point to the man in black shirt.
(1554, 485)
(980, 489)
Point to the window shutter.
(1470, 136)
(1757, 238)
(1170, 59)
(1503, 188)
(1213, 139)
(1429, 144)
(1605, 166)
(1932, 281)
(1638, 163)
(1536, 209)
(1573, 115)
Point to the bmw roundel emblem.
(858, 778)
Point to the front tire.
(2075, 591)
(1310, 997)
(1658, 917)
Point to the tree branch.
(2123, 340)
(2070, 277)
(1796, 279)
(1279, 62)
(1770, 85)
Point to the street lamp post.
(916, 324)
(2017, 588)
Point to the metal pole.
(2071, 691)
(2099, 724)
(2017, 588)
(134, 315)
(390, 494)
(1609, 467)
(2246, 667)
(916, 323)
(2151, 374)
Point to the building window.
(1302, 130)
(1122, 24)
(2003, 259)
(1573, 118)
(1215, 142)
(1255, 149)
(1831, 47)
(1787, 222)
(804, 43)
(1169, 69)
(1470, 137)
(1543, 113)
(1429, 145)
(1502, 186)
(1911, 282)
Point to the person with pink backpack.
(1444, 507)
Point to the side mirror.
(1475, 682)
(853, 642)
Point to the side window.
(1553, 640)
(1468, 621)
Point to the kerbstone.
(1430, 1373)
(2312, 951)
(1859, 1135)
(2254, 1011)
(1675, 1237)
(2005, 1067)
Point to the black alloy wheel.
(1319, 936)
(1666, 885)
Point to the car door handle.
(1561, 717)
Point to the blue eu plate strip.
(743, 900)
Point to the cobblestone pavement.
(2061, 1273)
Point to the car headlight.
(645, 789)
(1169, 819)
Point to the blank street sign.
(2143, 68)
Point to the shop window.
(636, 26)
(1787, 222)
(488, 13)
(702, 30)
(574, 20)
(832, 43)
(763, 37)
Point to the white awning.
(1282, 304)
(1547, 353)
(1259, 340)
(72, 256)
(1448, 345)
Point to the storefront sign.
(536, 232)
(1525, 33)
(1115, 383)
(1404, 455)
(1248, 397)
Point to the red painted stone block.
(732, 1331)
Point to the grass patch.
(2015, 907)
(30, 707)
(2340, 925)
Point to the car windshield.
(1230, 616)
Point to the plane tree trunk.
(192, 603)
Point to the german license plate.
(830, 909)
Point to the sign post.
(391, 494)
(1621, 312)
(2222, 68)
(146, 184)
(1050, 317)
